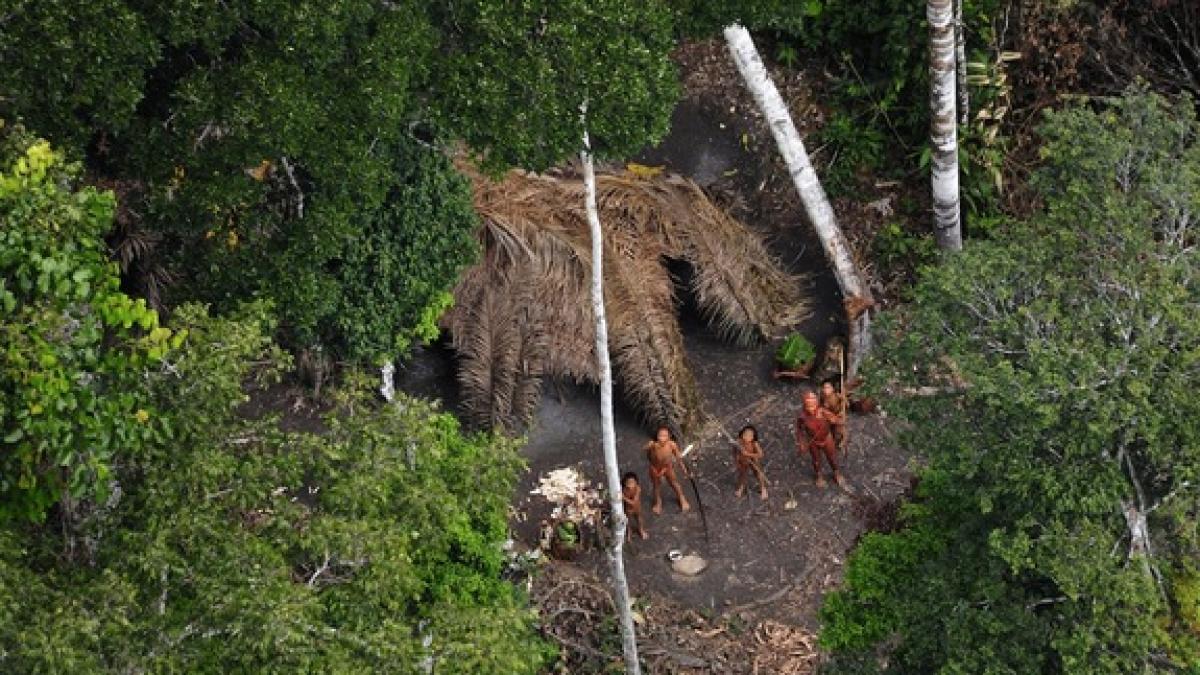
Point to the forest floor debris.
(575, 608)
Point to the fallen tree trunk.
(855, 294)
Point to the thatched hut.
(523, 312)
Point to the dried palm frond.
(487, 364)
(647, 346)
(525, 385)
(742, 291)
(524, 311)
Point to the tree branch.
(291, 174)
(1135, 521)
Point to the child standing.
(663, 453)
(747, 457)
(835, 402)
(631, 496)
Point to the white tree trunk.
(853, 285)
(960, 59)
(607, 432)
(388, 387)
(943, 128)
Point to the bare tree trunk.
(856, 295)
(960, 59)
(607, 432)
(943, 128)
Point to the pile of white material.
(574, 497)
(560, 484)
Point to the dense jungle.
(553, 336)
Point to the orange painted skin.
(663, 453)
(814, 435)
(631, 496)
(747, 458)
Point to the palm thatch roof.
(524, 311)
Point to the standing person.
(747, 457)
(663, 453)
(814, 435)
(835, 402)
(631, 497)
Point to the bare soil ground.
(770, 562)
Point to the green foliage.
(698, 18)
(72, 345)
(514, 75)
(795, 351)
(376, 288)
(897, 248)
(854, 147)
(567, 533)
(983, 148)
(883, 50)
(1179, 630)
(73, 68)
(269, 141)
(1078, 345)
(239, 547)
(289, 149)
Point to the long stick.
(700, 505)
(696, 491)
(607, 431)
(845, 406)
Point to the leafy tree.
(188, 534)
(74, 347)
(287, 149)
(514, 75)
(701, 19)
(238, 546)
(74, 68)
(268, 142)
(1056, 524)
(368, 282)
(396, 271)
(283, 160)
